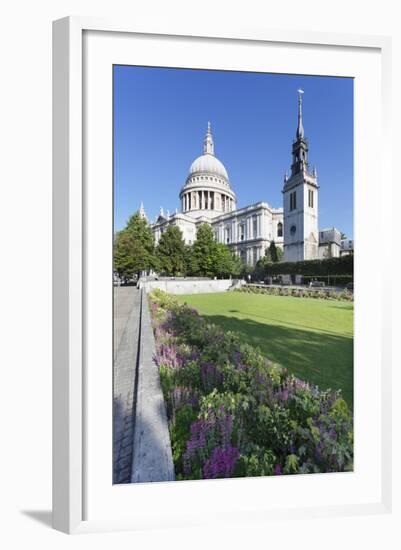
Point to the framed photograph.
(220, 339)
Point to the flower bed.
(233, 413)
(323, 294)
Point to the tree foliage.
(225, 262)
(273, 253)
(171, 251)
(207, 258)
(344, 265)
(134, 249)
(203, 252)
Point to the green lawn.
(312, 338)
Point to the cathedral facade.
(207, 197)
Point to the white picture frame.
(71, 245)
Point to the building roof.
(208, 164)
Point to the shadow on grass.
(346, 307)
(320, 358)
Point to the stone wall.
(152, 456)
(183, 286)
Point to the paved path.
(124, 298)
(126, 330)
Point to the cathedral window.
(279, 229)
(310, 198)
(293, 200)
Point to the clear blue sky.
(160, 119)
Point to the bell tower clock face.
(293, 230)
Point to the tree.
(246, 271)
(203, 252)
(171, 251)
(225, 262)
(208, 258)
(273, 253)
(259, 271)
(134, 249)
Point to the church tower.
(300, 201)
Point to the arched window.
(279, 229)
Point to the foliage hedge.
(233, 413)
(322, 294)
(315, 268)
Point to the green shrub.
(322, 294)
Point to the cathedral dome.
(207, 191)
(209, 164)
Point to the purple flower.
(181, 396)
(211, 377)
(221, 463)
(278, 470)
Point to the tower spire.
(208, 145)
(300, 128)
(142, 212)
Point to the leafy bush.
(343, 265)
(233, 413)
(322, 294)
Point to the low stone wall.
(152, 456)
(191, 286)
